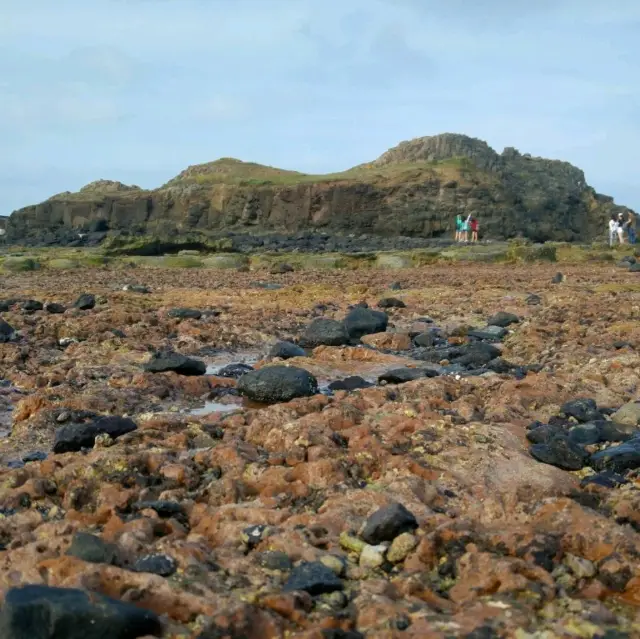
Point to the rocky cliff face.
(414, 189)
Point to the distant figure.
(613, 230)
(458, 228)
(631, 227)
(465, 228)
(621, 228)
(474, 229)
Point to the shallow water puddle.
(215, 407)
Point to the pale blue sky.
(136, 90)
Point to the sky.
(137, 90)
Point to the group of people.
(621, 230)
(463, 227)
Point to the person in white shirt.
(613, 230)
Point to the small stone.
(488, 333)
(351, 542)
(67, 341)
(54, 308)
(44, 612)
(274, 560)
(314, 578)
(185, 313)
(7, 332)
(395, 286)
(166, 361)
(628, 414)
(333, 601)
(580, 567)
(31, 306)
(349, 384)
(253, 535)
(503, 319)
(85, 302)
(92, 549)
(533, 300)
(286, 350)
(63, 417)
(136, 288)
(387, 523)
(391, 302)
(372, 557)
(614, 572)
(163, 507)
(35, 456)
(425, 340)
(404, 375)
(557, 278)
(159, 564)
(103, 440)
(560, 452)
(334, 563)
(401, 546)
(618, 459)
(584, 410)
(234, 371)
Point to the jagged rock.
(561, 452)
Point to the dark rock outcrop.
(415, 189)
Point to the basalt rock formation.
(414, 189)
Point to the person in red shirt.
(474, 229)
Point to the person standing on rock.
(465, 229)
(631, 227)
(474, 229)
(621, 227)
(458, 237)
(613, 230)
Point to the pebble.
(234, 371)
(166, 361)
(313, 577)
(286, 350)
(92, 548)
(7, 332)
(372, 557)
(159, 564)
(628, 414)
(618, 459)
(85, 302)
(54, 308)
(387, 523)
(560, 452)
(349, 384)
(164, 508)
(584, 410)
(185, 313)
(274, 560)
(401, 546)
(391, 302)
(334, 563)
(488, 333)
(580, 567)
(503, 319)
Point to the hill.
(414, 189)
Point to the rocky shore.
(436, 452)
